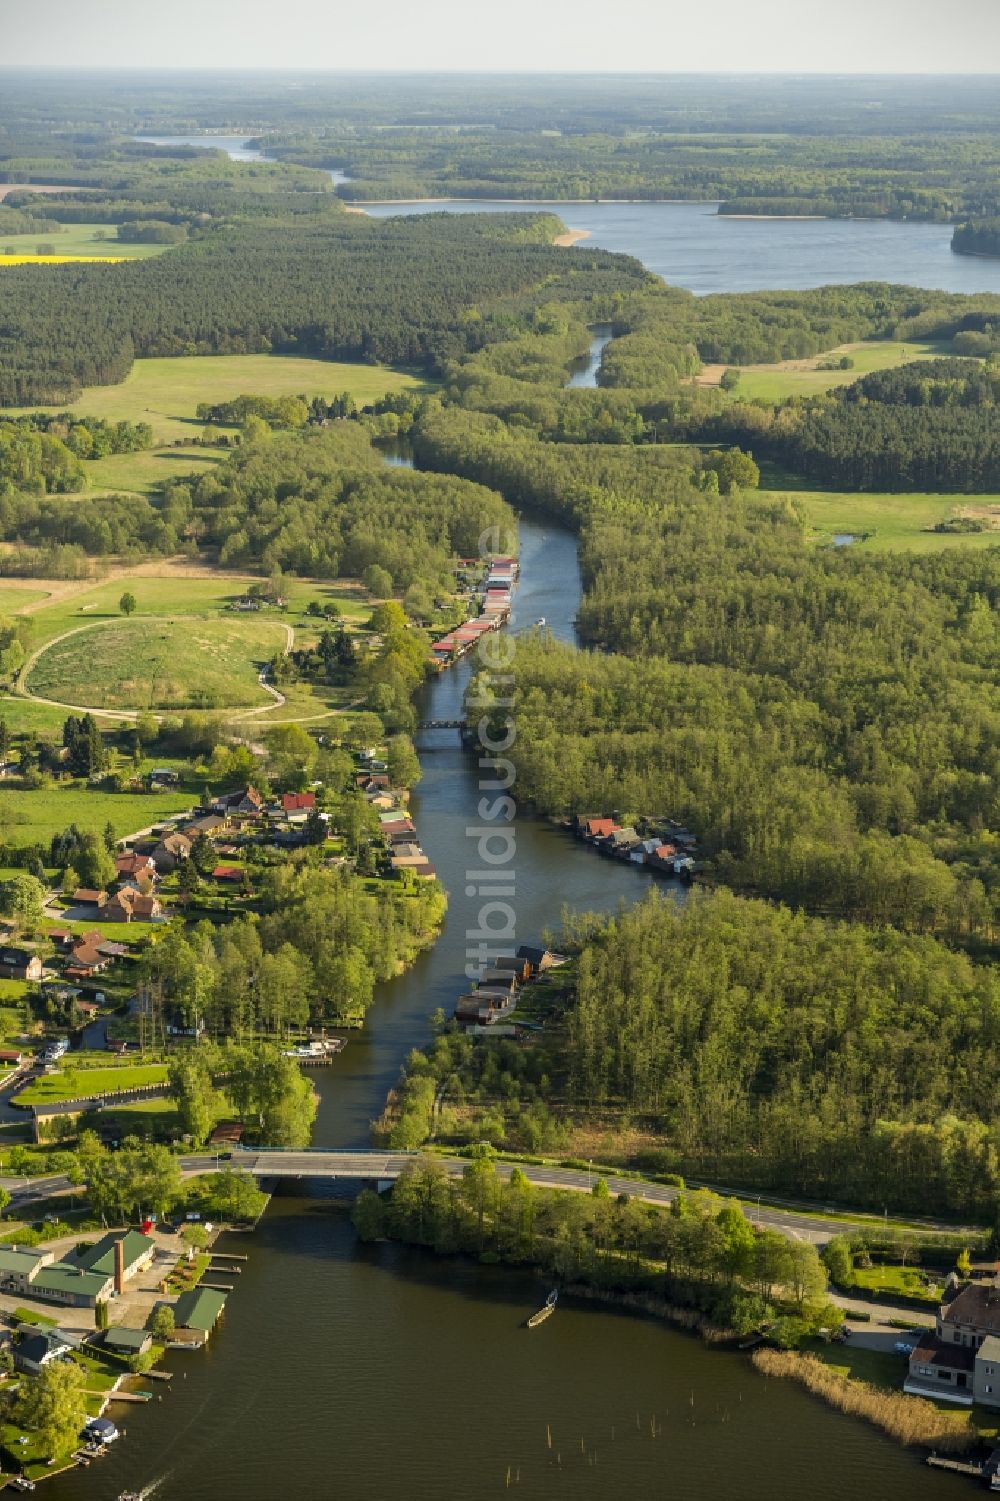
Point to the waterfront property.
(196, 1314)
(119, 1255)
(960, 1359)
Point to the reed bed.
(909, 1420)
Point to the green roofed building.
(125, 1341)
(18, 1267)
(199, 1309)
(137, 1253)
(62, 1283)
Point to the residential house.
(498, 979)
(85, 896)
(87, 958)
(515, 964)
(128, 905)
(960, 1360)
(135, 867)
(539, 959)
(171, 850)
(19, 1265)
(62, 1283)
(32, 1352)
(164, 776)
(227, 873)
(20, 964)
(595, 828)
(248, 803)
(298, 802)
(11, 1057)
(480, 1009)
(407, 854)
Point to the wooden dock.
(957, 1466)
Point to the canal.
(378, 1372)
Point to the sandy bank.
(572, 237)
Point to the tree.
(22, 899)
(193, 1092)
(163, 1322)
(95, 863)
(404, 766)
(128, 603)
(203, 855)
(4, 1199)
(237, 1197)
(805, 1273)
(53, 1406)
(963, 1263)
(195, 1237)
(368, 1215)
(188, 880)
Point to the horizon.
(896, 38)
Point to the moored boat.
(543, 1313)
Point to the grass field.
(33, 817)
(143, 473)
(888, 522)
(78, 240)
(162, 664)
(166, 392)
(73, 1083)
(908, 1280)
(803, 378)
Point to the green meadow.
(805, 378)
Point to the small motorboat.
(540, 620)
(22, 1483)
(543, 1313)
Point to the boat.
(22, 1483)
(540, 620)
(547, 1308)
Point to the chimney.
(119, 1267)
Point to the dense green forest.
(977, 237)
(408, 291)
(779, 1049)
(930, 426)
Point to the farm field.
(166, 392)
(158, 664)
(889, 522)
(78, 240)
(804, 378)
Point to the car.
(903, 1348)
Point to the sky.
(701, 36)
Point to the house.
(199, 1310)
(519, 967)
(165, 776)
(87, 1009)
(248, 802)
(134, 867)
(61, 937)
(122, 1340)
(20, 964)
(498, 979)
(171, 850)
(209, 824)
(11, 1057)
(961, 1357)
(407, 854)
(227, 873)
(226, 1133)
(596, 828)
(19, 1265)
(86, 959)
(85, 896)
(539, 959)
(128, 905)
(137, 1252)
(481, 1010)
(298, 802)
(34, 1351)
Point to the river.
(378, 1372)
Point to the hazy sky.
(841, 36)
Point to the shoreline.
(572, 237)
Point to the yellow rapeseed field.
(57, 260)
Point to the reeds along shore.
(909, 1420)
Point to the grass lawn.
(908, 1280)
(79, 239)
(14, 598)
(71, 1083)
(163, 664)
(143, 473)
(877, 1367)
(888, 523)
(165, 392)
(33, 817)
(802, 378)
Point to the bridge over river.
(383, 1168)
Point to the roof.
(60, 1277)
(16, 956)
(88, 894)
(101, 1257)
(199, 1308)
(227, 873)
(977, 1305)
(37, 1346)
(20, 1260)
(173, 843)
(130, 863)
(990, 1348)
(939, 1352)
(121, 1337)
(294, 802)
